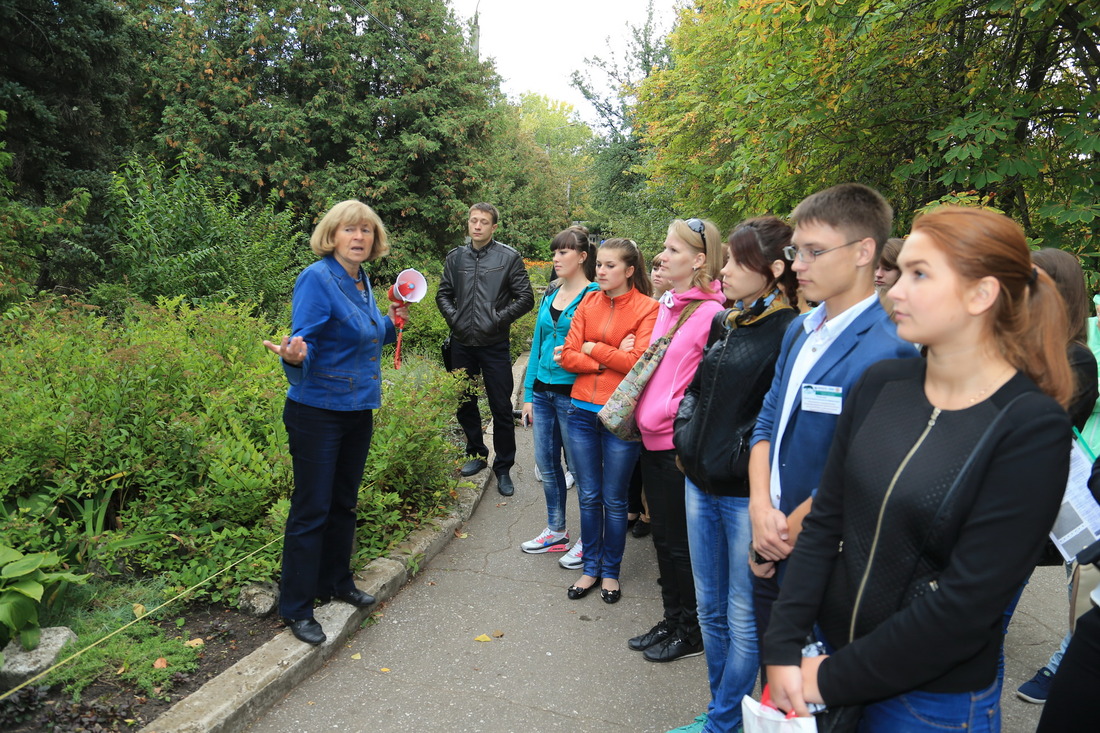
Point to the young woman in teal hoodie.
(546, 388)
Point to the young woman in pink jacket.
(692, 261)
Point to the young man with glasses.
(838, 234)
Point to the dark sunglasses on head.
(696, 225)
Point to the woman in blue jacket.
(546, 388)
(331, 360)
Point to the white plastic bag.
(762, 717)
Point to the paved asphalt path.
(557, 664)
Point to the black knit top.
(907, 576)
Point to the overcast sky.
(537, 44)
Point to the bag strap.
(684, 315)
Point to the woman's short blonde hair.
(323, 240)
(712, 246)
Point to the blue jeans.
(551, 419)
(328, 449)
(918, 712)
(719, 532)
(602, 465)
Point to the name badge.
(822, 398)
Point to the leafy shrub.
(174, 234)
(154, 443)
(25, 584)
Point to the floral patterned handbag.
(617, 414)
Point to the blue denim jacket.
(344, 333)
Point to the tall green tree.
(317, 102)
(623, 203)
(769, 100)
(66, 71)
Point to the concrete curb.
(242, 693)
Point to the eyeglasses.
(809, 255)
(696, 225)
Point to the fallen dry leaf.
(503, 503)
(384, 669)
(357, 655)
(483, 637)
(460, 534)
(161, 663)
(194, 642)
(139, 610)
(121, 669)
(498, 634)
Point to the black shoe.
(576, 593)
(673, 648)
(611, 596)
(656, 635)
(472, 466)
(307, 630)
(641, 529)
(505, 485)
(356, 597)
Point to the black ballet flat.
(576, 593)
(611, 596)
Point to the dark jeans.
(664, 488)
(1070, 705)
(329, 449)
(494, 364)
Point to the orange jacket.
(606, 322)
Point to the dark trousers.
(1070, 705)
(329, 449)
(494, 364)
(664, 489)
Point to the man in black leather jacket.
(485, 289)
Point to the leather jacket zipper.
(878, 523)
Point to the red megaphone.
(411, 287)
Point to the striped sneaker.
(574, 559)
(548, 541)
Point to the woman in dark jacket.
(332, 360)
(713, 424)
(927, 520)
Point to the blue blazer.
(345, 333)
(870, 338)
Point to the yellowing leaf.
(483, 637)
(498, 634)
(121, 669)
(139, 610)
(161, 663)
(384, 669)
(196, 642)
(461, 535)
(356, 656)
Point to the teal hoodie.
(548, 335)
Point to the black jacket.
(715, 419)
(482, 292)
(905, 573)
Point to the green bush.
(27, 583)
(175, 235)
(154, 444)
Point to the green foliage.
(154, 444)
(100, 608)
(319, 102)
(175, 234)
(68, 74)
(766, 102)
(27, 583)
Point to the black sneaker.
(656, 635)
(673, 648)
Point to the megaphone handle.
(397, 351)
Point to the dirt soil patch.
(113, 705)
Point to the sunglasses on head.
(696, 225)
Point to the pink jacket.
(657, 406)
